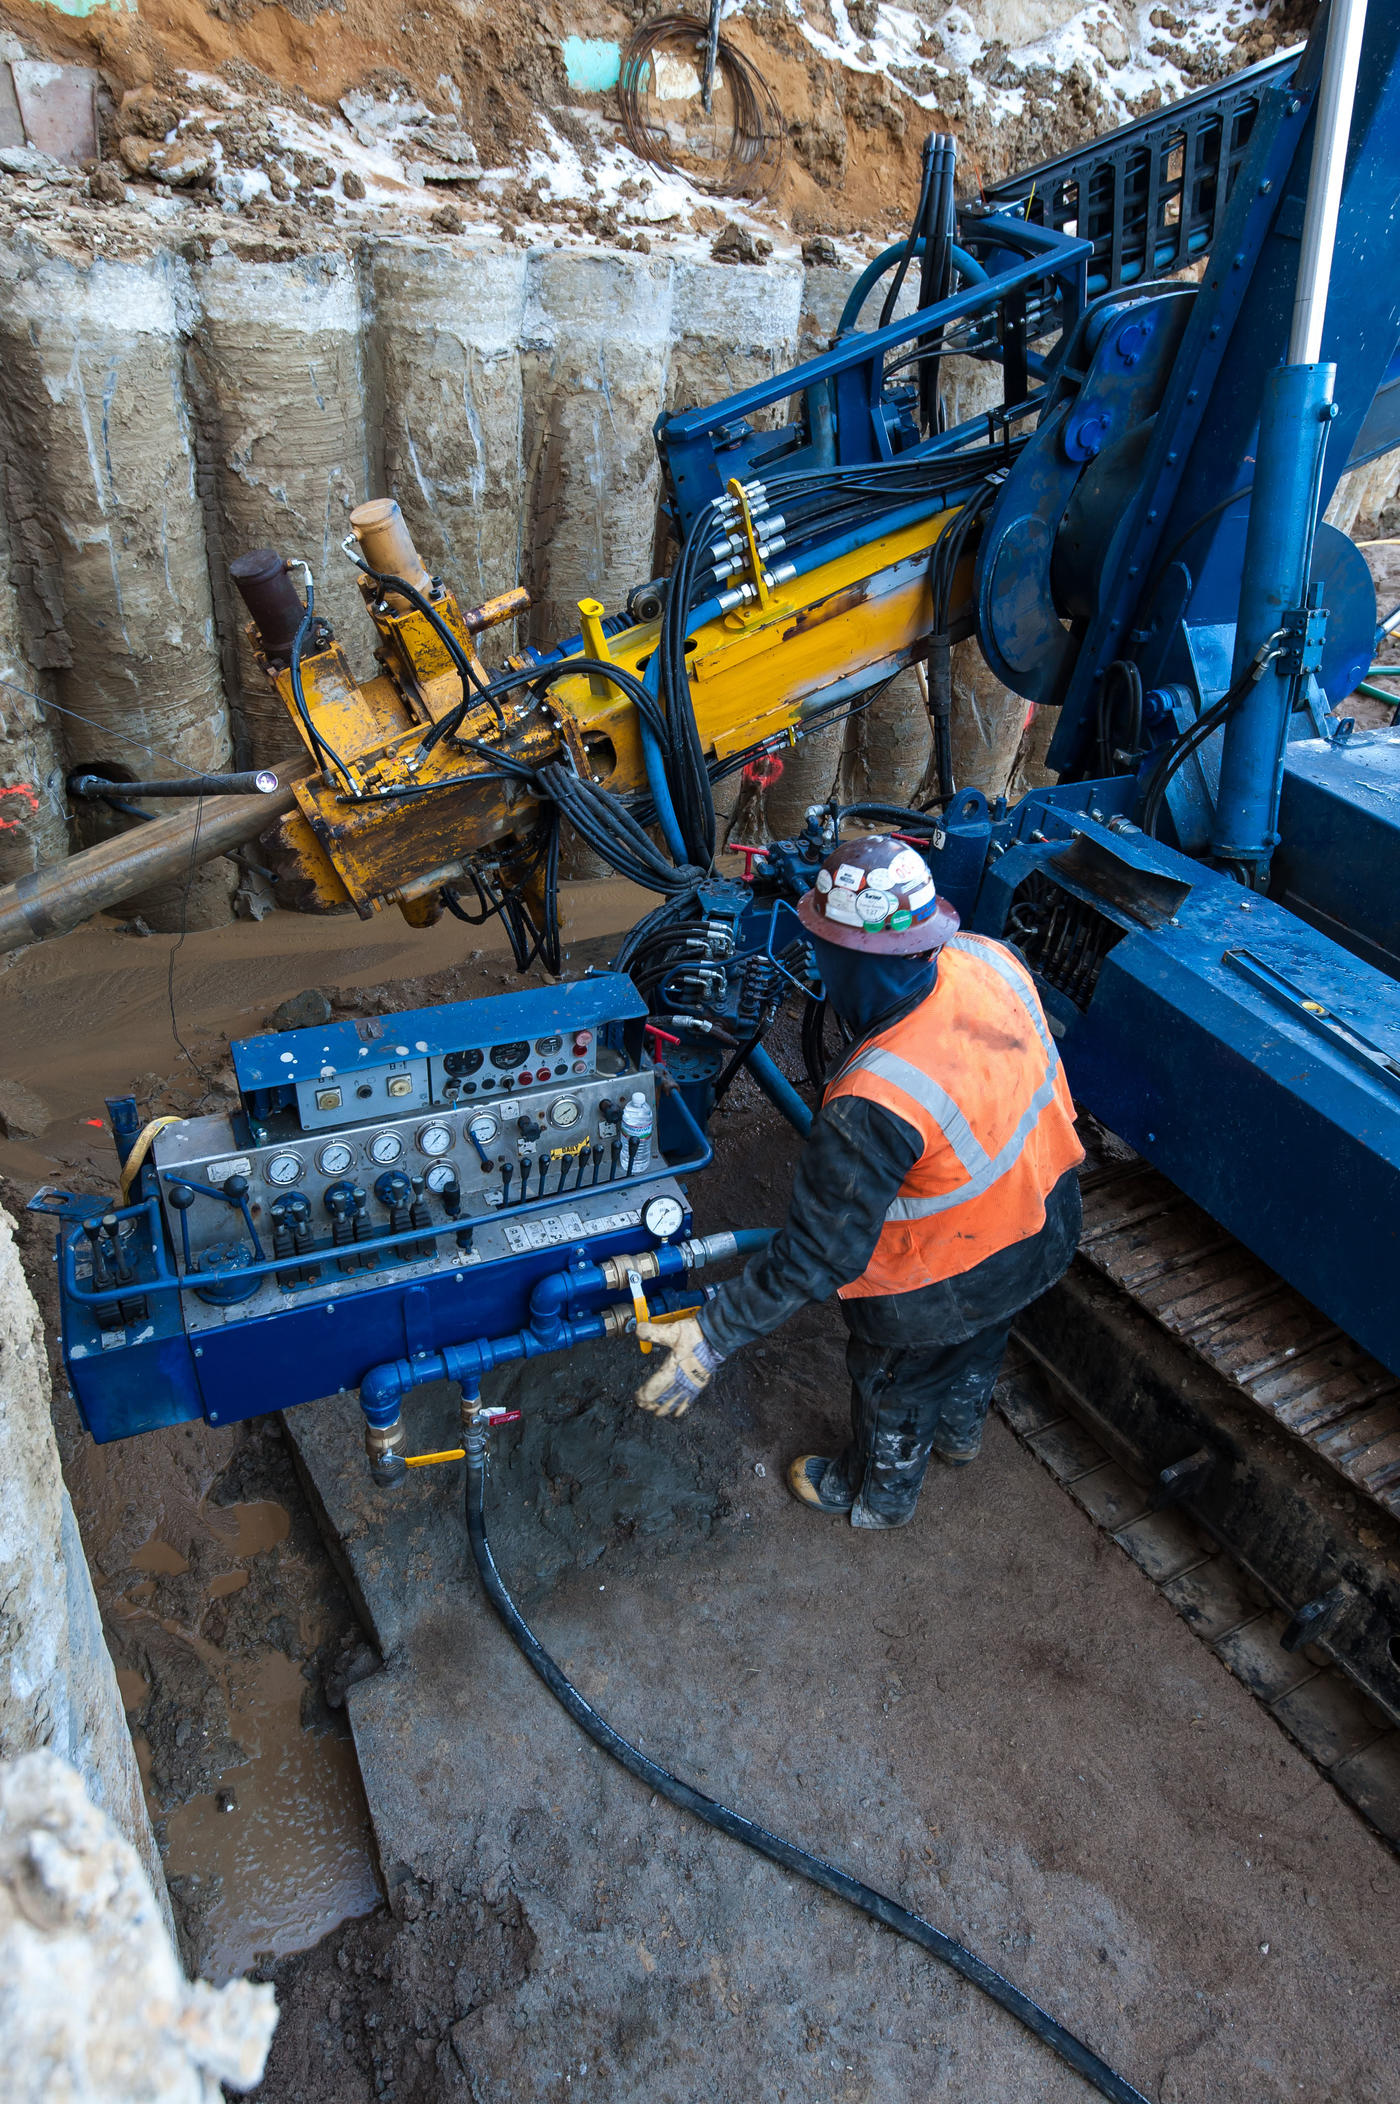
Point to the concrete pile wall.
(58, 1687)
(167, 408)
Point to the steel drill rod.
(51, 901)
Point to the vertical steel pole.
(1294, 417)
(1277, 559)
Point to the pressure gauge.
(335, 1159)
(440, 1178)
(548, 1046)
(385, 1147)
(284, 1169)
(565, 1111)
(483, 1129)
(662, 1217)
(434, 1139)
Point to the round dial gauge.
(458, 1063)
(507, 1056)
(565, 1111)
(335, 1159)
(385, 1147)
(440, 1177)
(284, 1169)
(662, 1217)
(434, 1139)
(484, 1129)
(548, 1046)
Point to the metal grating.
(1208, 1290)
(1150, 195)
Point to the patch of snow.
(1120, 50)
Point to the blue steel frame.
(852, 418)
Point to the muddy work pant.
(911, 1401)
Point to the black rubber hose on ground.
(785, 1853)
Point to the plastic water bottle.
(636, 1124)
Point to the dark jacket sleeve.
(851, 1167)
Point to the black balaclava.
(868, 990)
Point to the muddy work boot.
(956, 1452)
(817, 1481)
(894, 1475)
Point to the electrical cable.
(757, 131)
(786, 1854)
(1122, 672)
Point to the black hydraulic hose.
(911, 245)
(319, 747)
(462, 664)
(786, 1854)
(259, 781)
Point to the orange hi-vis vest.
(974, 1070)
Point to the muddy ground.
(994, 1715)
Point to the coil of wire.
(744, 164)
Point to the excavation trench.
(993, 1716)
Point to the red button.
(543, 1074)
(527, 1076)
(582, 1040)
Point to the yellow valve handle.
(639, 1303)
(427, 1460)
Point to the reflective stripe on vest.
(983, 1169)
(1000, 1121)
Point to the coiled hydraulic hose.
(785, 1853)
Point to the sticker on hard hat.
(823, 880)
(881, 879)
(841, 906)
(900, 921)
(922, 896)
(875, 907)
(850, 876)
(906, 868)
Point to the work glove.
(690, 1362)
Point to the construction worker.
(936, 1192)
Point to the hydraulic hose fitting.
(384, 1446)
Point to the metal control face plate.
(560, 1123)
(368, 1070)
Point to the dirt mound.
(450, 110)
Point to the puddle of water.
(133, 1686)
(292, 1854)
(229, 1582)
(247, 1530)
(158, 1556)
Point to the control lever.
(507, 1170)
(540, 1175)
(394, 1191)
(235, 1190)
(101, 1276)
(182, 1198)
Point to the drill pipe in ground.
(53, 900)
